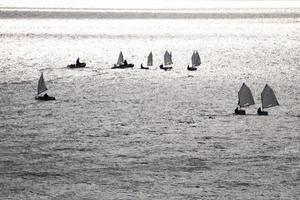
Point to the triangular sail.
(197, 59)
(41, 85)
(268, 98)
(150, 59)
(245, 96)
(120, 59)
(170, 58)
(193, 58)
(166, 58)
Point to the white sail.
(245, 96)
(268, 98)
(150, 59)
(41, 85)
(197, 59)
(120, 59)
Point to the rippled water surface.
(134, 134)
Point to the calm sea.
(152, 134)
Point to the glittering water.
(133, 134)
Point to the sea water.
(148, 134)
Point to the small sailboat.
(42, 88)
(245, 99)
(268, 100)
(149, 61)
(121, 63)
(167, 61)
(196, 61)
(77, 65)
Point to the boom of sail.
(268, 98)
(120, 59)
(150, 59)
(41, 85)
(245, 96)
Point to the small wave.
(73, 149)
(20, 83)
(38, 174)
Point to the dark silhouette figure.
(77, 62)
(239, 112)
(236, 110)
(125, 62)
(46, 95)
(260, 112)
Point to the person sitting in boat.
(125, 62)
(236, 110)
(46, 96)
(77, 62)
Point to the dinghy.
(122, 64)
(80, 65)
(245, 99)
(77, 65)
(268, 100)
(167, 61)
(42, 88)
(149, 61)
(196, 61)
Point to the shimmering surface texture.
(133, 134)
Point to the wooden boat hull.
(191, 68)
(165, 68)
(262, 113)
(42, 98)
(123, 66)
(240, 112)
(81, 65)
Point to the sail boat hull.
(122, 66)
(262, 112)
(81, 65)
(166, 68)
(42, 98)
(142, 67)
(191, 68)
(240, 112)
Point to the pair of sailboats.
(167, 65)
(196, 61)
(121, 63)
(268, 99)
(42, 88)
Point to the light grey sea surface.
(148, 134)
